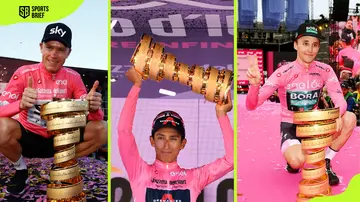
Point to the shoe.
(333, 178)
(18, 182)
(291, 170)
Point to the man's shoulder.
(70, 71)
(284, 70)
(323, 66)
(27, 68)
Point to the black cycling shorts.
(37, 146)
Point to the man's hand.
(29, 96)
(134, 76)
(222, 110)
(94, 98)
(253, 73)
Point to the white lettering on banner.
(315, 84)
(61, 82)
(10, 95)
(178, 44)
(58, 31)
(213, 25)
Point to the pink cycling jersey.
(164, 182)
(299, 89)
(65, 84)
(352, 54)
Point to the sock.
(20, 164)
(330, 153)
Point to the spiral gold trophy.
(151, 62)
(64, 119)
(315, 128)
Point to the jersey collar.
(47, 73)
(163, 165)
(303, 67)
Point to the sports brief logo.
(58, 31)
(34, 11)
(24, 11)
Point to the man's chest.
(47, 89)
(303, 91)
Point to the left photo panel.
(53, 100)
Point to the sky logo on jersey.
(155, 195)
(302, 100)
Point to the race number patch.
(302, 100)
(155, 195)
(33, 115)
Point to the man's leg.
(349, 123)
(95, 135)
(10, 134)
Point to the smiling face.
(307, 49)
(167, 143)
(54, 55)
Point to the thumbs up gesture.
(94, 98)
(253, 72)
(29, 96)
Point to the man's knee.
(5, 129)
(349, 120)
(98, 130)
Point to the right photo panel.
(298, 93)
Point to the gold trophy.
(315, 128)
(64, 118)
(151, 62)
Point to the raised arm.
(220, 167)
(128, 149)
(256, 95)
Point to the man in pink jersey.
(349, 52)
(165, 180)
(32, 85)
(299, 85)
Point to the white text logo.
(10, 95)
(61, 82)
(58, 31)
(181, 173)
(315, 84)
